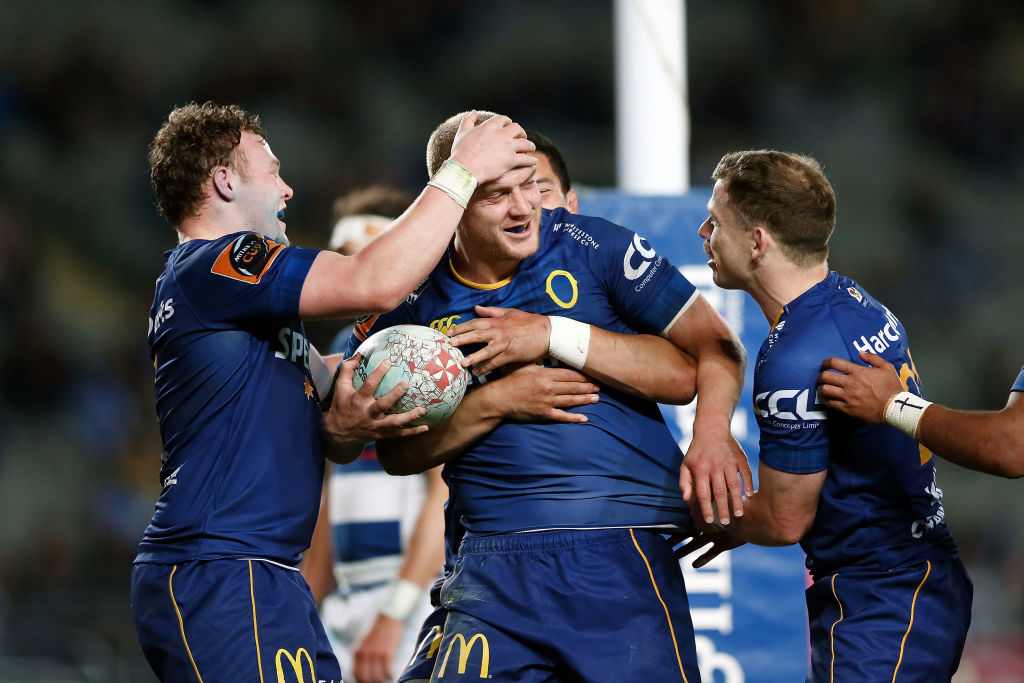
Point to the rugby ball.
(425, 359)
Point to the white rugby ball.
(422, 357)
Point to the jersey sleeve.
(1019, 384)
(244, 277)
(647, 291)
(794, 426)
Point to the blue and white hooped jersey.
(1019, 384)
(239, 417)
(880, 506)
(372, 516)
(622, 467)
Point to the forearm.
(409, 249)
(991, 442)
(643, 365)
(719, 374)
(721, 361)
(425, 555)
(475, 417)
(761, 526)
(317, 561)
(782, 510)
(342, 286)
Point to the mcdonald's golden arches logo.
(296, 663)
(465, 649)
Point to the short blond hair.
(439, 146)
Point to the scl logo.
(465, 649)
(639, 246)
(442, 324)
(797, 401)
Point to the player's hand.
(356, 416)
(715, 474)
(860, 391)
(509, 335)
(720, 542)
(491, 149)
(533, 392)
(373, 654)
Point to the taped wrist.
(401, 600)
(904, 410)
(569, 341)
(456, 181)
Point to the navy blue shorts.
(591, 605)
(230, 620)
(907, 624)
(421, 665)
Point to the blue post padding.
(748, 607)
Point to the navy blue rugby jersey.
(880, 506)
(1019, 384)
(622, 467)
(239, 417)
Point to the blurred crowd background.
(915, 109)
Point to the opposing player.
(592, 591)
(216, 594)
(890, 599)
(379, 540)
(987, 441)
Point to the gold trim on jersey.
(181, 623)
(668, 617)
(477, 285)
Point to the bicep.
(335, 287)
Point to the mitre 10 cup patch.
(247, 258)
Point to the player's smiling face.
(727, 241)
(500, 228)
(261, 192)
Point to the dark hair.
(546, 147)
(195, 139)
(376, 200)
(439, 146)
(786, 193)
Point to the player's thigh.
(229, 620)
(471, 650)
(909, 623)
(633, 623)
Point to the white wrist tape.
(569, 341)
(402, 600)
(904, 411)
(456, 181)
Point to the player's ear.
(572, 202)
(760, 242)
(222, 180)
